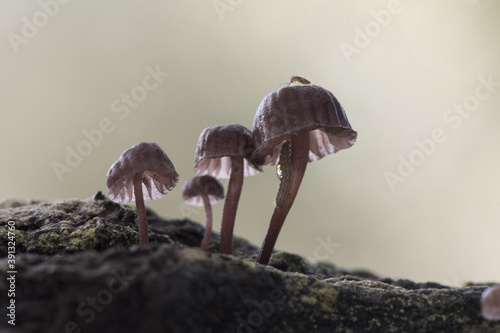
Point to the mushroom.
(223, 152)
(490, 303)
(142, 173)
(203, 191)
(296, 124)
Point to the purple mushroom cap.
(194, 188)
(216, 146)
(490, 303)
(297, 108)
(158, 175)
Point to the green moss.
(315, 297)
(83, 239)
(48, 242)
(251, 266)
(20, 239)
(289, 262)
(308, 299)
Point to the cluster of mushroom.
(294, 125)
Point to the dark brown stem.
(299, 157)
(284, 174)
(141, 210)
(231, 205)
(208, 225)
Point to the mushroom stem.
(284, 172)
(208, 226)
(141, 210)
(231, 205)
(299, 156)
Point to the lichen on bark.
(70, 252)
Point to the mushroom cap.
(216, 146)
(297, 108)
(490, 303)
(194, 188)
(158, 175)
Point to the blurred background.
(416, 197)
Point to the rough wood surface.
(85, 275)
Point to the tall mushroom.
(223, 152)
(296, 124)
(142, 173)
(203, 191)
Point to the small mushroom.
(296, 124)
(203, 191)
(142, 173)
(223, 152)
(490, 303)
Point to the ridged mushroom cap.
(297, 108)
(490, 303)
(216, 146)
(194, 188)
(158, 175)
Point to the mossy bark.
(85, 275)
